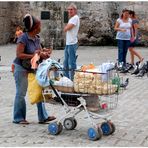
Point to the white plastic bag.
(64, 81)
(104, 69)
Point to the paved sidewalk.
(130, 117)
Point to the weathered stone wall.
(51, 33)
(4, 23)
(97, 20)
(11, 14)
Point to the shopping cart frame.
(96, 131)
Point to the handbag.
(132, 39)
(26, 63)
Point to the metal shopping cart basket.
(93, 92)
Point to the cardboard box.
(63, 89)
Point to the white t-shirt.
(72, 35)
(124, 25)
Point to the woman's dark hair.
(124, 10)
(30, 22)
(132, 13)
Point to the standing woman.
(135, 38)
(123, 27)
(27, 45)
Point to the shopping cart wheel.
(75, 121)
(55, 128)
(60, 126)
(113, 127)
(94, 134)
(70, 123)
(106, 128)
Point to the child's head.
(18, 28)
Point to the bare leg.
(132, 55)
(134, 52)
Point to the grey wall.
(11, 14)
(97, 20)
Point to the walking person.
(123, 27)
(27, 45)
(135, 39)
(71, 30)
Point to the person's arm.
(49, 50)
(20, 52)
(136, 26)
(15, 36)
(117, 27)
(45, 53)
(68, 27)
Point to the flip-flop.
(50, 118)
(21, 122)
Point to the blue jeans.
(70, 60)
(21, 82)
(123, 46)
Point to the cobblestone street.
(130, 117)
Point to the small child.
(18, 33)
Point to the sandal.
(50, 118)
(21, 122)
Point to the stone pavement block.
(125, 143)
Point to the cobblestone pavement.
(130, 117)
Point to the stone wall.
(97, 21)
(11, 14)
(4, 22)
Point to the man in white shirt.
(71, 30)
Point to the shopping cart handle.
(54, 90)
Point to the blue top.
(135, 21)
(31, 44)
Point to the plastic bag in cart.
(64, 81)
(43, 70)
(104, 69)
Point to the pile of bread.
(92, 83)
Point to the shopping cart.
(98, 98)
